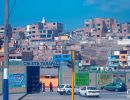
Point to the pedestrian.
(51, 87)
(43, 87)
(40, 84)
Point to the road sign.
(82, 79)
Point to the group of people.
(42, 87)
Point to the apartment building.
(125, 29)
(118, 59)
(42, 32)
(100, 27)
(2, 30)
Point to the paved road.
(56, 96)
(14, 96)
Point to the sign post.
(6, 52)
(73, 72)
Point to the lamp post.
(6, 52)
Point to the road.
(56, 96)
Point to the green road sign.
(81, 79)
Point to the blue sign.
(17, 80)
(41, 63)
(62, 57)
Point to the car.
(89, 91)
(115, 86)
(67, 89)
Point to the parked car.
(116, 86)
(67, 89)
(89, 91)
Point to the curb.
(22, 97)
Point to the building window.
(87, 25)
(40, 31)
(28, 48)
(123, 57)
(43, 36)
(49, 32)
(33, 27)
(123, 52)
(124, 30)
(118, 24)
(48, 35)
(33, 31)
(19, 57)
(98, 24)
(98, 35)
(99, 29)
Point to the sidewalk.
(14, 96)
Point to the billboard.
(82, 79)
(17, 80)
(104, 78)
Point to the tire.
(61, 93)
(80, 94)
(116, 90)
(68, 92)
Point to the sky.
(71, 13)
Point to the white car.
(89, 91)
(67, 89)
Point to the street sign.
(41, 63)
(82, 79)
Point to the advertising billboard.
(82, 79)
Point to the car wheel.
(80, 94)
(61, 93)
(116, 90)
(68, 92)
(86, 95)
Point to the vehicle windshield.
(91, 88)
(61, 86)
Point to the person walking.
(40, 85)
(43, 87)
(51, 87)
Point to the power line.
(12, 8)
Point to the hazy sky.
(70, 12)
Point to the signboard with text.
(41, 63)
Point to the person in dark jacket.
(51, 87)
(43, 87)
(40, 85)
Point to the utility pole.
(73, 72)
(6, 51)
